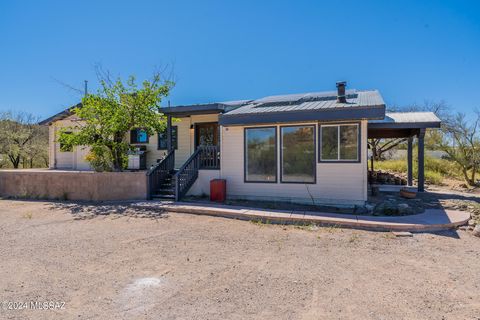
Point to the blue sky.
(228, 50)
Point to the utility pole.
(86, 87)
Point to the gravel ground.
(115, 262)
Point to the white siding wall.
(201, 186)
(181, 154)
(186, 141)
(66, 160)
(76, 160)
(80, 153)
(336, 182)
(51, 146)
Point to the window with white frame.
(339, 142)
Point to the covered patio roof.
(402, 124)
(406, 125)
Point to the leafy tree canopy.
(22, 140)
(110, 114)
(460, 140)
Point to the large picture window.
(339, 142)
(162, 139)
(260, 154)
(298, 154)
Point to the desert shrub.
(399, 166)
(435, 169)
(100, 158)
(444, 167)
(433, 177)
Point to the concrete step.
(165, 191)
(163, 197)
(429, 221)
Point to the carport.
(407, 125)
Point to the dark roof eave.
(337, 114)
(405, 125)
(194, 109)
(190, 113)
(59, 116)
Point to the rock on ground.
(476, 230)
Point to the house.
(297, 147)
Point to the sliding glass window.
(339, 142)
(298, 154)
(260, 154)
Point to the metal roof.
(361, 104)
(366, 104)
(311, 101)
(203, 108)
(411, 120)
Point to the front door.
(206, 134)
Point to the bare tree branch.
(70, 87)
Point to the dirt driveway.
(143, 265)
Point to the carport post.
(421, 160)
(409, 162)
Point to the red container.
(218, 190)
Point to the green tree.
(22, 140)
(35, 154)
(110, 114)
(460, 140)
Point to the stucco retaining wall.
(73, 185)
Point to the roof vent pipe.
(341, 98)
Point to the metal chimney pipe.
(341, 97)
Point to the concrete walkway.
(430, 220)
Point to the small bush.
(100, 159)
(399, 166)
(433, 177)
(444, 167)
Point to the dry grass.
(435, 169)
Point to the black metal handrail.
(187, 174)
(157, 174)
(209, 157)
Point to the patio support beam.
(421, 160)
(169, 133)
(409, 162)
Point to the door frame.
(196, 136)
